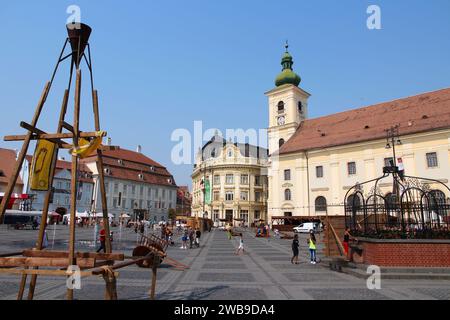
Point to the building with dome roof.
(229, 182)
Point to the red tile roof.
(7, 162)
(131, 165)
(421, 113)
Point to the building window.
(257, 196)
(116, 188)
(133, 190)
(229, 179)
(257, 215)
(164, 193)
(432, 160)
(351, 168)
(216, 195)
(244, 179)
(287, 195)
(213, 153)
(229, 196)
(244, 195)
(321, 204)
(141, 191)
(300, 107)
(107, 187)
(280, 143)
(216, 181)
(125, 189)
(319, 171)
(287, 175)
(280, 107)
(257, 180)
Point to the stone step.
(362, 274)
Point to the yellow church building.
(314, 162)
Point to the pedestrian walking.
(191, 238)
(102, 238)
(198, 234)
(241, 244)
(184, 240)
(295, 245)
(312, 247)
(347, 237)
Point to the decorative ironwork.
(415, 208)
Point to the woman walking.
(312, 247)
(241, 245)
(295, 246)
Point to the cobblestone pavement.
(263, 272)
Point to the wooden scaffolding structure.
(39, 261)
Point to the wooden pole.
(101, 176)
(156, 260)
(73, 199)
(48, 194)
(23, 152)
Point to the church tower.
(288, 105)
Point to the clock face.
(281, 121)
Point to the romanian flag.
(41, 164)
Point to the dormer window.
(213, 153)
(107, 171)
(280, 107)
(152, 168)
(141, 176)
(120, 161)
(169, 181)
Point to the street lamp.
(392, 139)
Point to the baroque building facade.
(313, 162)
(230, 182)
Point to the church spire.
(287, 76)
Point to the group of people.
(312, 246)
(192, 236)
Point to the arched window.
(391, 201)
(280, 106)
(213, 153)
(287, 195)
(300, 107)
(354, 200)
(437, 200)
(280, 143)
(321, 204)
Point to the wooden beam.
(48, 195)
(23, 152)
(101, 174)
(73, 183)
(45, 262)
(46, 272)
(65, 254)
(43, 135)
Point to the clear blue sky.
(160, 65)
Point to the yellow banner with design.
(40, 167)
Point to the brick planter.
(404, 253)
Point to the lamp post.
(393, 139)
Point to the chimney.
(139, 149)
(109, 141)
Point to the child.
(241, 245)
(295, 246)
(312, 247)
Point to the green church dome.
(287, 76)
